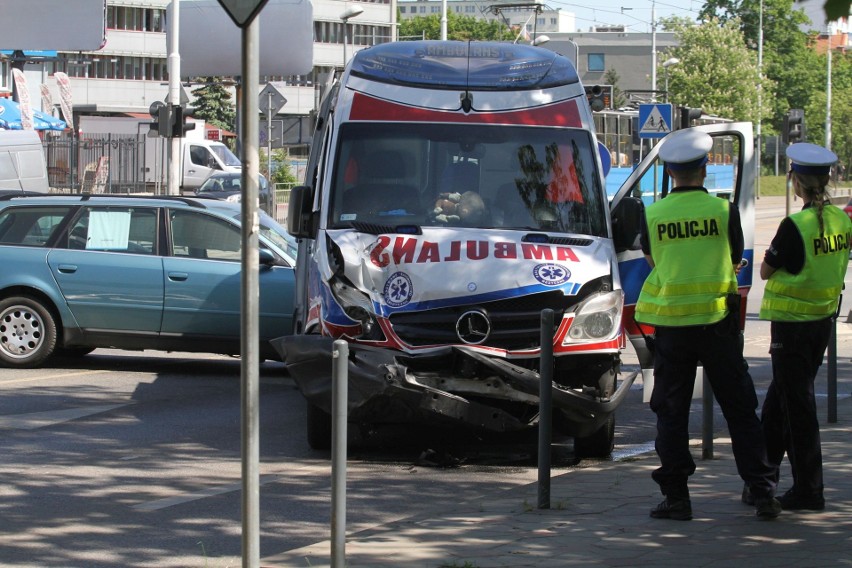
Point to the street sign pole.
(244, 13)
(173, 184)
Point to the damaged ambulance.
(454, 191)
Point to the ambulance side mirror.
(299, 212)
(627, 218)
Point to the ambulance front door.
(730, 175)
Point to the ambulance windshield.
(440, 175)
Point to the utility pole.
(173, 187)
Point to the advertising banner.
(46, 99)
(23, 99)
(65, 98)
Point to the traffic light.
(687, 115)
(179, 126)
(161, 125)
(599, 96)
(794, 126)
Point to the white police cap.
(809, 158)
(685, 149)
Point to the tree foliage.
(213, 103)
(459, 27)
(717, 71)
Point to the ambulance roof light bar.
(484, 66)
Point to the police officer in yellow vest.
(693, 242)
(804, 267)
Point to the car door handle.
(178, 276)
(67, 268)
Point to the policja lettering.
(688, 229)
(832, 243)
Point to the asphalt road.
(129, 459)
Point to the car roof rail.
(191, 201)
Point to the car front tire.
(27, 332)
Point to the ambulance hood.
(453, 266)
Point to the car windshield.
(226, 155)
(220, 183)
(483, 176)
(273, 232)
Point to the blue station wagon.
(133, 272)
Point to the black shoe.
(767, 507)
(747, 497)
(794, 501)
(675, 509)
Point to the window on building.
(552, 21)
(596, 62)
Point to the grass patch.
(773, 185)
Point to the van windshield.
(477, 176)
(228, 158)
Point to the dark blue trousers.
(789, 413)
(678, 351)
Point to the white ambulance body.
(454, 191)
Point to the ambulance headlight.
(597, 317)
(356, 304)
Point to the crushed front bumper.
(383, 388)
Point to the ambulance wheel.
(318, 428)
(598, 444)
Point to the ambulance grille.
(515, 322)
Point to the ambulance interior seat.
(381, 187)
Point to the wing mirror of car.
(266, 257)
(299, 215)
(627, 218)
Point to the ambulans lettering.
(688, 229)
(409, 250)
(832, 243)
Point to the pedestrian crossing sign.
(655, 120)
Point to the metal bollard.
(339, 418)
(545, 409)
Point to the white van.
(454, 192)
(22, 163)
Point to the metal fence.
(105, 163)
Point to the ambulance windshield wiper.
(381, 229)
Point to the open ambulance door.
(730, 175)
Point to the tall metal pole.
(653, 50)
(173, 184)
(444, 19)
(250, 292)
(759, 140)
(828, 96)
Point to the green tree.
(618, 98)
(459, 27)
(282, 171)
(717, 71)
(213, 103)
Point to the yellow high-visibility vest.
(693, 272)
(813, 293)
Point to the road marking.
(48, 377)
(35, 420)
(196, 495)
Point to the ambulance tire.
(598, 444)
(318, 428)
(601, 442)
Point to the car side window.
(196, 235)
(30, 226)
(115, 229)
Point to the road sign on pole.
(655, 120)
(242, 11)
